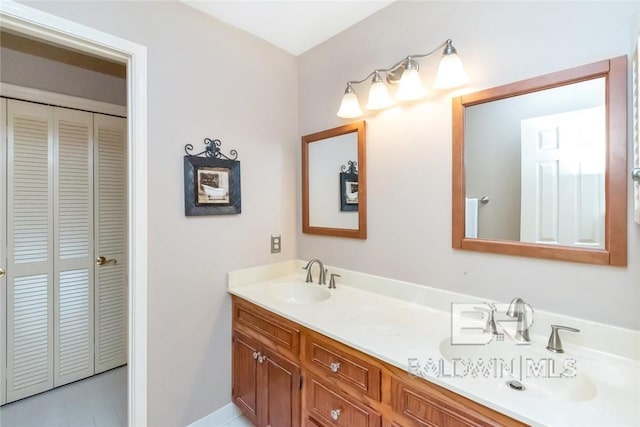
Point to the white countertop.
(603, 390)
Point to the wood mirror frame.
(615, 249)
(361, 231)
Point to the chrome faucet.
(321, 278)
(518, 309)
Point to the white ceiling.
(294, 25)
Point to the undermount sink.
(299, 293)
(543, 374)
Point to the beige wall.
(24, 69)
(409, 217)
(205, 79)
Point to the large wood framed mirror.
(334, 185)
(539, 166)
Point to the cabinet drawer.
(433, 408)
(338, 362)
(333, 409)
(268, 328)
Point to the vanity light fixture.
(405, 75)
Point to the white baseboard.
(219, 418)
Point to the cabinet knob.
(2, 273)
(261, 358)
(335, 414)
(256, 355)
(335, 366)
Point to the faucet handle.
(555, 345)
(490, 326)
(332, 281)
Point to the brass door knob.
(103, 261)
(2, 273)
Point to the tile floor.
(239, 422)
(99, 401)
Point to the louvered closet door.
(3, 247)
(73, 231)
(29, 268)
(110, 241)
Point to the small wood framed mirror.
(540, 166)
(334, 185)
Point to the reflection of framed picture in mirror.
(348, 192)
(211, 186)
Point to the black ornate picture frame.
(349, 187)
(211, 181)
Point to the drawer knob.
(256, 355)
(335, 414)
(335, 366)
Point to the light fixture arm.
(357, 82)
(403, 73)
(447, 44)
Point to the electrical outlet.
(276, 243)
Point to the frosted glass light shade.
(450, 72)
(410, 86)
(379, 97)
(349, 108)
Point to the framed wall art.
(211, 181)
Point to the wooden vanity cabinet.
(333, 408)
(419, 404)
(266, 380)
(285, 375)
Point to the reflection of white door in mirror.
(563, 163)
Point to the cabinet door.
(279, 384)
(244, 376)
(332, 408)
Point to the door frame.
(30, 21)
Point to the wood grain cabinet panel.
(310, 422)
(334, 409)
(279, 386)
(423, 406)
(245, 378)
(266, 386)
(269, 329)
(338, 362)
